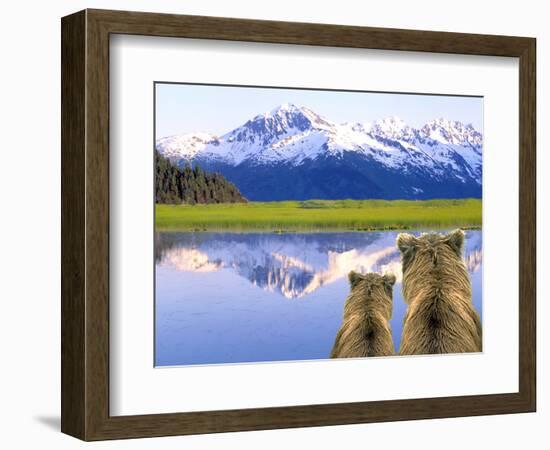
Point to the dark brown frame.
(85, 224)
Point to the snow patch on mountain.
(393, 128)
(185, 146)
(452, 132)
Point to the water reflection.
(216, 293)
(293, 265)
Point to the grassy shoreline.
(321, 215)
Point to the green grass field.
(321, 215)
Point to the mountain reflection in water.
(293, 265)
(217, 291)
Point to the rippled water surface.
(248, 297)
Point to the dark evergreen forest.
(191, 185)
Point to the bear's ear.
(354, 278)
(406, 242)
(389, 279)
(456, 241)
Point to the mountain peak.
(392, 127)
(298, 113)
(283, 109)
(452, 132)
(281, 122)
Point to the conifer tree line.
(191, 185)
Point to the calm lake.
(249, 297)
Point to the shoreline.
(327, 231)
(313, 231)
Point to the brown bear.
(440, 317)
(365, 329)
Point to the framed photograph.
(273, 225)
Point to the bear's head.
(430, 249)
(429, 259)
(371, 290)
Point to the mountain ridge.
(384, 159)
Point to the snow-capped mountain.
(292, 152)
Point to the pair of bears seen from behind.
(440, 317)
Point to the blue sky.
(182, 108)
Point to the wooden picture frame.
(85, 224)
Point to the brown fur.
(440, 317)
(365, 330)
